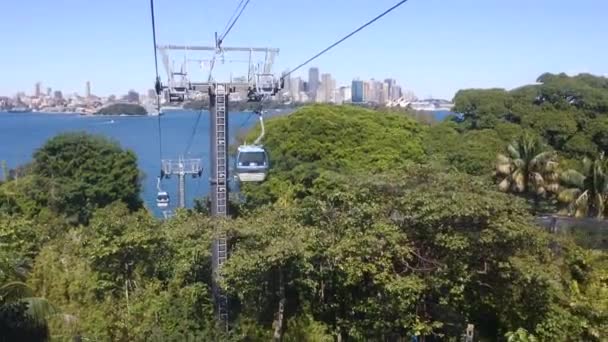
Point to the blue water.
(22, 133)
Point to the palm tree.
(587, 192)
(527, 168)
(39, 310)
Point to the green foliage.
(587, 192)
(19, 243)
(338, 138)
(127, 278)
(473, 152)
(527, 167)
(122, 108)
(421, 252)
(123, 247)
(78, 173)
(484, 108)
(569, 113)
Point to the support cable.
(345, 38)
(223, 36)
(193, 134)
(233, 15)
(157, 86)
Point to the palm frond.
(503, 169)
(15, 290)
(587, 165)
(542, 158)
(504, 185)
(513, 151)
(552, 187)
(599, 204)
(541, 191)
(582, 200)
(40, 309)
(537, 179)
(502, 159)
(569, 195)
(572, 178)
(518, 181)
(551, 166)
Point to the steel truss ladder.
(221, 98)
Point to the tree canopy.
(71, 176)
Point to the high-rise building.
(49, 91)
(391, 84)
(395, 93)
(337, 96)
(346, 94)
(37, 91)
(384, 96)
(366, 91)
(327, 88)
(313, 82)
(358, 91)
(320, 98)
(294, 88)
(87, 92)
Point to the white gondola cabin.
(265, 84)
(252, 163)
(162, 199)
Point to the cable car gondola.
(162, 199)
(252, 163)
(265, 84)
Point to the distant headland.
(122, 108)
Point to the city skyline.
(433, 47)
(88, 92)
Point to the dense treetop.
(337, 138)
(73, 174)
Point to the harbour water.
(22, 133)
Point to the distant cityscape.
(55, 101)
(322, 88)
(318, 88)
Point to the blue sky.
(433, 47)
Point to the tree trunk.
(278, 323)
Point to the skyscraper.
(294, 89)
(37, 91)
(327, 88)
(357, 89)
(392, 88)
(346, 94)
(366, 91)
(49, 91)
(313, 82)
(87, 93)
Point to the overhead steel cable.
(193, 134)
(157, 85)
(345, 38)
(236, 10)
(223, 36)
